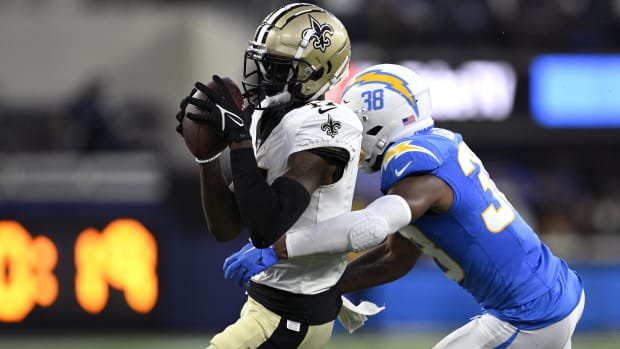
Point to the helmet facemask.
(274, 81)
(374, 142)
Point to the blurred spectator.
(606, 215)
(89, 121)
(85, 126)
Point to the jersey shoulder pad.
(323, 124)
(412, 155)
(407, 157)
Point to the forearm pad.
(267, 210)
(353, 231)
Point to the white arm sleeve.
(351, 231)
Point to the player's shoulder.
(443, 135)
(321, 111)
(438, 140)
(424, 151)
(420, 153)
(323, 122)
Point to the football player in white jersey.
(293, 159)
(443, 202)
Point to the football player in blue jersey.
(443, 203)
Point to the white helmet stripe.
(303, 44)
(261, 36)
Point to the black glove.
(181, 113)
(222, 113)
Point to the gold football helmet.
(298, 53)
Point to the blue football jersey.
(482, 242)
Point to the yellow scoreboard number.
(123, 256)
(26, 272)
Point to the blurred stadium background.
(102, 240)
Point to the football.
(202, 139)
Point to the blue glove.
(247, 262)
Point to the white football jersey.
(315, 125)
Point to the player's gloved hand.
(181, 113)
(228, 119)
(247, 262)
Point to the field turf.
(192, 341)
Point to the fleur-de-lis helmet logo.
(330, 126)
(318, 34)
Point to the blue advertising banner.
(575, 90)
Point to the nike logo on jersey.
(399, 172)
(323, 111)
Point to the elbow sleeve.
(394, 209)
(353, 231)
(384, 216)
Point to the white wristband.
(206, 161)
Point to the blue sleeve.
(408, 157)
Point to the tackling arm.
(384, 263)
(412, 197)
(395, 257)
(406, 201)
(352, 231)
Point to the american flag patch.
(408, 120)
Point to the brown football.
(202, 139)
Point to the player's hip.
(312, 309)
(258, 327)
(488, 331)
(547, 308)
